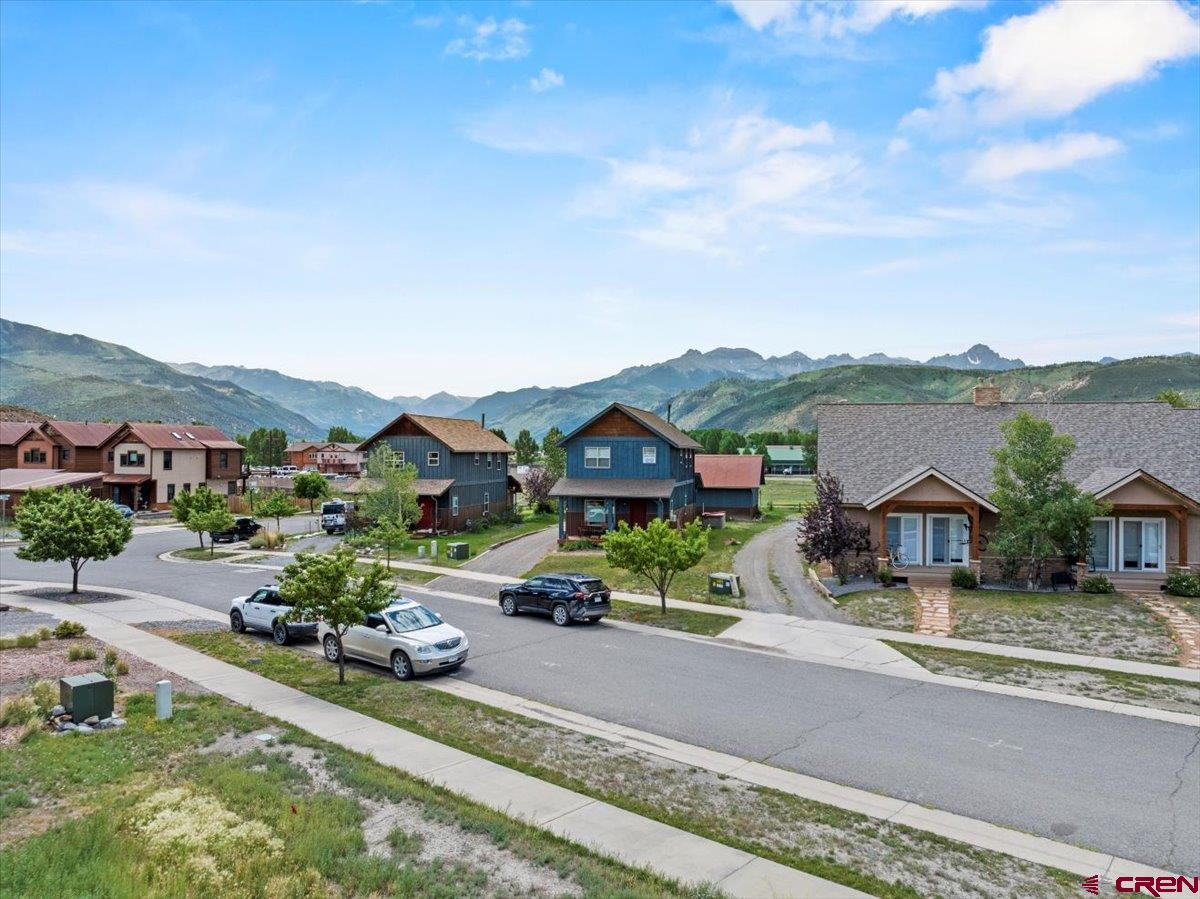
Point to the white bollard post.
(433, 549)
(162, 700)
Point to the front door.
(1142, 544)
(637, 513)
(948, 538)
(426, 504)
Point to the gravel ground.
(17, 621)
(190, 625)
(894, 608)
(58, 594)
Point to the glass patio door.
(948, 539)
(1141, 544)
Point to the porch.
(134, 490)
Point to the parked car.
(284, 471)
(243, 529)
(333, 515)
(126, 512)
(564, 597)
(265, 610)
(406, 636)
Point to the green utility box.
(722, 583)
(458, 550)
(85, 695)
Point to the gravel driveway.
(773, 578)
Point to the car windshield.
(411, 619)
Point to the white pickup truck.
(265, 610)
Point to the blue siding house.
(462, 467)
(625, 464)
(729, 484)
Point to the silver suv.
(406, 637)
(265, 610)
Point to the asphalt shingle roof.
(614, 488)
(871, 445)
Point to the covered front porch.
(591, 507)
(134, 490)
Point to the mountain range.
(73, 376)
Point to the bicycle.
(898, 557)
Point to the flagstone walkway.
(934, 616)
(1185, 628)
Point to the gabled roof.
(13, 432)
(168, 436)
(654, 423)
(786, 453)
(80, 433)
(914, 477)
(731, 472)
(339, 447)
(301, 446)
(462, 435)
(422, 486)
(870, 446)
(1104, 481)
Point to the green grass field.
(786, 493)
(477, 542)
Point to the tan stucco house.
(146, 464)
(919, 475)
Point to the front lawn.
(674, 620)
(894, 608)
(478, 543)
(691, 584)
(786, 494)
(195, 554)
(198, 806)
(874, 856)
(1155, 692)
(1112, 625)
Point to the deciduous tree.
(526, 447)
(554, 457)
(656, 552)
(330, 589)
(310, 485)
(342, 434)
(390, 532)
(277, 505)
(188, 504)
(536, 487)
(390, 491)
(212, 521)
(825, 534)
(64, 525)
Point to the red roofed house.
(729, 484)
(146, 464)
(12, 435)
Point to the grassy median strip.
(195, 554)
(874, 856)
(686, 620)
(1135, 689)
(199, 806)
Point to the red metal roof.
(126, 478)
(729, 471)
(82, 433)
(169, 436)
(13, 432)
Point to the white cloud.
(546, 80)
(898, 146)
(833, 18)
(490, 40)
(1061, 56)
(1002, 162)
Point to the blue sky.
(416, 197)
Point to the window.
(597, 457)
(487, 503)
(1142, 544)
(110, 455)
(1104, 531)
(170, 492)
(649, 455)
(65, 453)
(477, 458)
(489, 460)
(396, 459)
(433, 458)
(595, 513)
(133, 459)
(187, 488)
(34, 457)
(168, 460)
(223, 459)
(904, 533)
(454, 504)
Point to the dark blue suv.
(564, 597)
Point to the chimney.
(483, 420)
(986, 395)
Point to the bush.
(1097, 584)
(885, 577)
(19, 710)
(963, 579)
(268, 540)
(21, 641)
(44, 633)
(1181, 583)
(571, 546)
(45, 696)
(80, 653)
(67, 629)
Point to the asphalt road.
(790, 592)
(1115, 783)
(512, 559)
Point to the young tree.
(342, 434)
(187, 504)
(526, 447)
(825, 534)
(211, 521)
(391, 492)
(1176, 399)
(537, 486)
(391, 531)
(277, 505)
(554, 457)
(328, 588)
(310, 485)
(64, 525)
(657, 552)
(1041, 513)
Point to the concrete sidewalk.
(630, 838)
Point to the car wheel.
(508, 606)
(236, 623)
(401, 666)
(280, 633)
(561, 616)
(331, 648)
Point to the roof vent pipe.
(483, 420)
(668, 413)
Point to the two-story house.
(147, 464)
(625, 464)
(462, 467)
(326, 457)
(76, 444)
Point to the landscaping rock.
(66, 725)
(84, 729)
(93, 720)
(112, 722)
(57, 710)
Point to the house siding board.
(626, 456)
(710, 498)
(471, 481)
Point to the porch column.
(974, 561)
(562, 518)
(884, 554)
(1181, 515)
